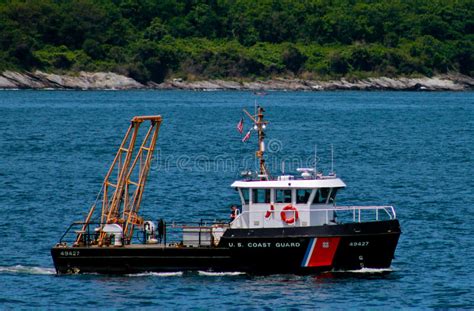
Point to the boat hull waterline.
(298, 250)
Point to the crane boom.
(121, 194)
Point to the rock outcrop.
(113, 81)
(437, 83)
(83, 81)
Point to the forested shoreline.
(241, 39)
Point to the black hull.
(301, 250)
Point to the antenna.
(316, 159)
(332, 159)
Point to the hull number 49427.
(359, 244)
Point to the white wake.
(26, 270)
(366, 270)
(162, 274)
(207, 273)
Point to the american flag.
(240, 125)
(246, 137)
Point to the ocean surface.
(407, 149)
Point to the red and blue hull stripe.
(320, 252)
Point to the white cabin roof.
(295, 183)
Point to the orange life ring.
(289, 208)
(269, 212)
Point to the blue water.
(410, 150)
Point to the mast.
(260, 125)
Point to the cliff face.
(438, 83)
(83, 81)
(113, 81)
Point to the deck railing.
(199, 233)
(344, 214)
(203, 233)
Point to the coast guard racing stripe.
(320, 252)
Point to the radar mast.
(260, 125)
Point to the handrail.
(393, 214)
(85, 231)
(90, 235)
(389, 210)
(203, 223)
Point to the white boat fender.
(270, 211)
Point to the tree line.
(245, 39)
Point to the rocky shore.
(113, 81)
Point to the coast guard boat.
(287, 224)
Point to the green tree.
(293, 59)
(151, 39)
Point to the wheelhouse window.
(332, 196)
(261, 195)
(245, 195)
(322, 195)
(302, 195)
(283, 196)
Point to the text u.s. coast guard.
(264, 244)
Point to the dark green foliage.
(339, 63)
(464, 56)
(225, 63)
(151, 40)
(293, 59)
(156, 31)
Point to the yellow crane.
(124, 183)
